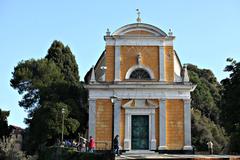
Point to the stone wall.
(103, 122)
(169, 63)
(175, 124)
(110, 63)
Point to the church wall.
(149, 57)
(175, 124)
(110, 63)
(103, 123)
(169, 63)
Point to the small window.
(140, 74)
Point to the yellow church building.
(139, 90)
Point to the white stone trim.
(141, 84)
(140, 29)
(177, 69)
(117, 63)
(161, 64)
(127, 137)
(143, 110)
(136, 41)
(187, 125)
(153, 137)
(139, 26)
(162, 125)
(138, 93)
(117, 117)
(93, 78)
(130, 70)
(92, 118)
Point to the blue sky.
(207, 32)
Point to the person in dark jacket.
(116, 145)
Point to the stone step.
(152, 155)
(139, 152)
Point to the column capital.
(163, 99)
(92, 99)
(187, 100)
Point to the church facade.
(139, 90)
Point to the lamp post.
(63, 111)
(113, 100)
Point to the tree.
(205, 130)
(49, 119)
(231, 104)
(30, 77)
(4, 131)
(45, 84)
(206, 98)
(71, 92)
(65, 60)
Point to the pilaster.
(117, 63)
(153, 137)
(92, 118)
(187, 125)
(127, 138)
(161, 64)
(117, 116)
(162, 125)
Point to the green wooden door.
(140, 132)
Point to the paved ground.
(174, 156)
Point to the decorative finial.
(185, 73)
(138, 18)
(93, 79)
(170, 33)
(108, 32)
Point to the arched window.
(140, 74)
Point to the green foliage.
(205, 130)
(65, 60)
(8, 152)
(53, 153)
(231, 104)
(4, 130)
(48, 118)
(31, 76)
(47, 86)
(206, 98)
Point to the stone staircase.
(154, 155)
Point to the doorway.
(140, 132)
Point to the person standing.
(210, 147)
(116, 145)
(91, 144)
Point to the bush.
(58, 153)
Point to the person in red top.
(91, 144)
